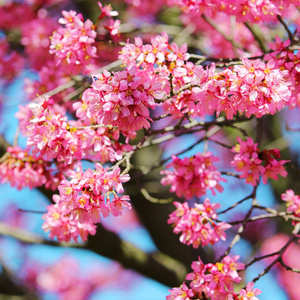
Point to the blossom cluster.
(23, 170)
(254, 87)
(47, 130)
(82, 202)
(52, 136)
(193, 176)
(198, 225)
(255, 11)
(286, 59)
(11, 62)
(253, 164)
(73, 44)
(35, 38)
(158, 53)
(214, 281)
(293, 203)
(121, 99)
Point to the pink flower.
(181, 293)
(198, 225)
(83, 200)
(73, 44)
(193, 176)
(253, 164)
(215, 281)
(249, 293)
(122, 99)
(293, 203)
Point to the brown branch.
(291, 36)
(157, 266)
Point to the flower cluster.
(23, 170)
(48, 132)
(52, 136)
(261, 88)
(158, 53)
(121, 99)
(246, 294)
(73, 44)
(253, 163)
(214, 281)
(198, 225)
(11, 62)
(287, 60)
(83, 200)
(255, 11)
(35, 38)
(293, 203)
(254, 88)
(193, 176)
(111, 25)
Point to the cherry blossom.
(198, 225)
(193, 176)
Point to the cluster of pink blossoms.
(254, 11)
(23, 170)
(254, 88)
(198, 225)
(35, 38)
(83, 200)
(214, 281)
(11, 62)
(260, 88)
(50, 135)
(286, 59)
(253, 163)
(185, 293)
(158, 53)
(73, 44)
(293, 203)
(193, 176)
(121, 99)
(48, 132)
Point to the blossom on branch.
(198, 225)
(73, 44)
(253, 164)
(212, 281)
(121, 99)
(83, 200)
(193, 176)
(293, 203)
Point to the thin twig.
(256, 37)
(153, 199)
(237, 203)
(291, 36)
